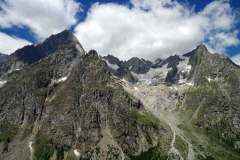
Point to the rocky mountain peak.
(92, 53)
(112, 59)
(172, 61)
(138, 65)
(200, 49)
(32, 53)
(64, 42)
(157, 63)
(63, 37)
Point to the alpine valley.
(58, 102)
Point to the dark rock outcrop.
(122, 70)
(138, 66)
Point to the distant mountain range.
(58, 102)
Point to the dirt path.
(173, 150)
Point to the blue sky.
(125, 28)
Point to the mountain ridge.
(68, 104)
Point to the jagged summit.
(64, 42)
(138, 65)
(175, 69)
(63, 37)
(32, 53)
(198, 50)
(92, 53)
(112, 59)
(202, 47)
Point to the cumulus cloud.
(9, 43)
(156, 28)
(43, 17)
(236, 59)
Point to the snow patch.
(189, 84)
(130, 67)
(124, 80)
(112, 66)
(51, 98)
(2, 83)
(175, 88)
(59, 80)
(209, 79)
(153, 75)
(136, 88)
(30, 146)
(183, 69)
(77, 154)
(62, 79)
(181, 80)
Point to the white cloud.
(156, 28)
(9, 44)
(236, 59)
(43, 17)
(220, 41)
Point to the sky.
(147, 29)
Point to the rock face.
(58, 102)
(67, 105)
(3, 58)
(124, 69)
(199, 99)
(217, 92)
(173, 70)
(138, 66)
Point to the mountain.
(64, 42)
(215, 96)
(68, 106)
(58, 102)
(200, 103)
(172, 70)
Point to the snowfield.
(112, 66)
(154, 75)
(2, 83)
